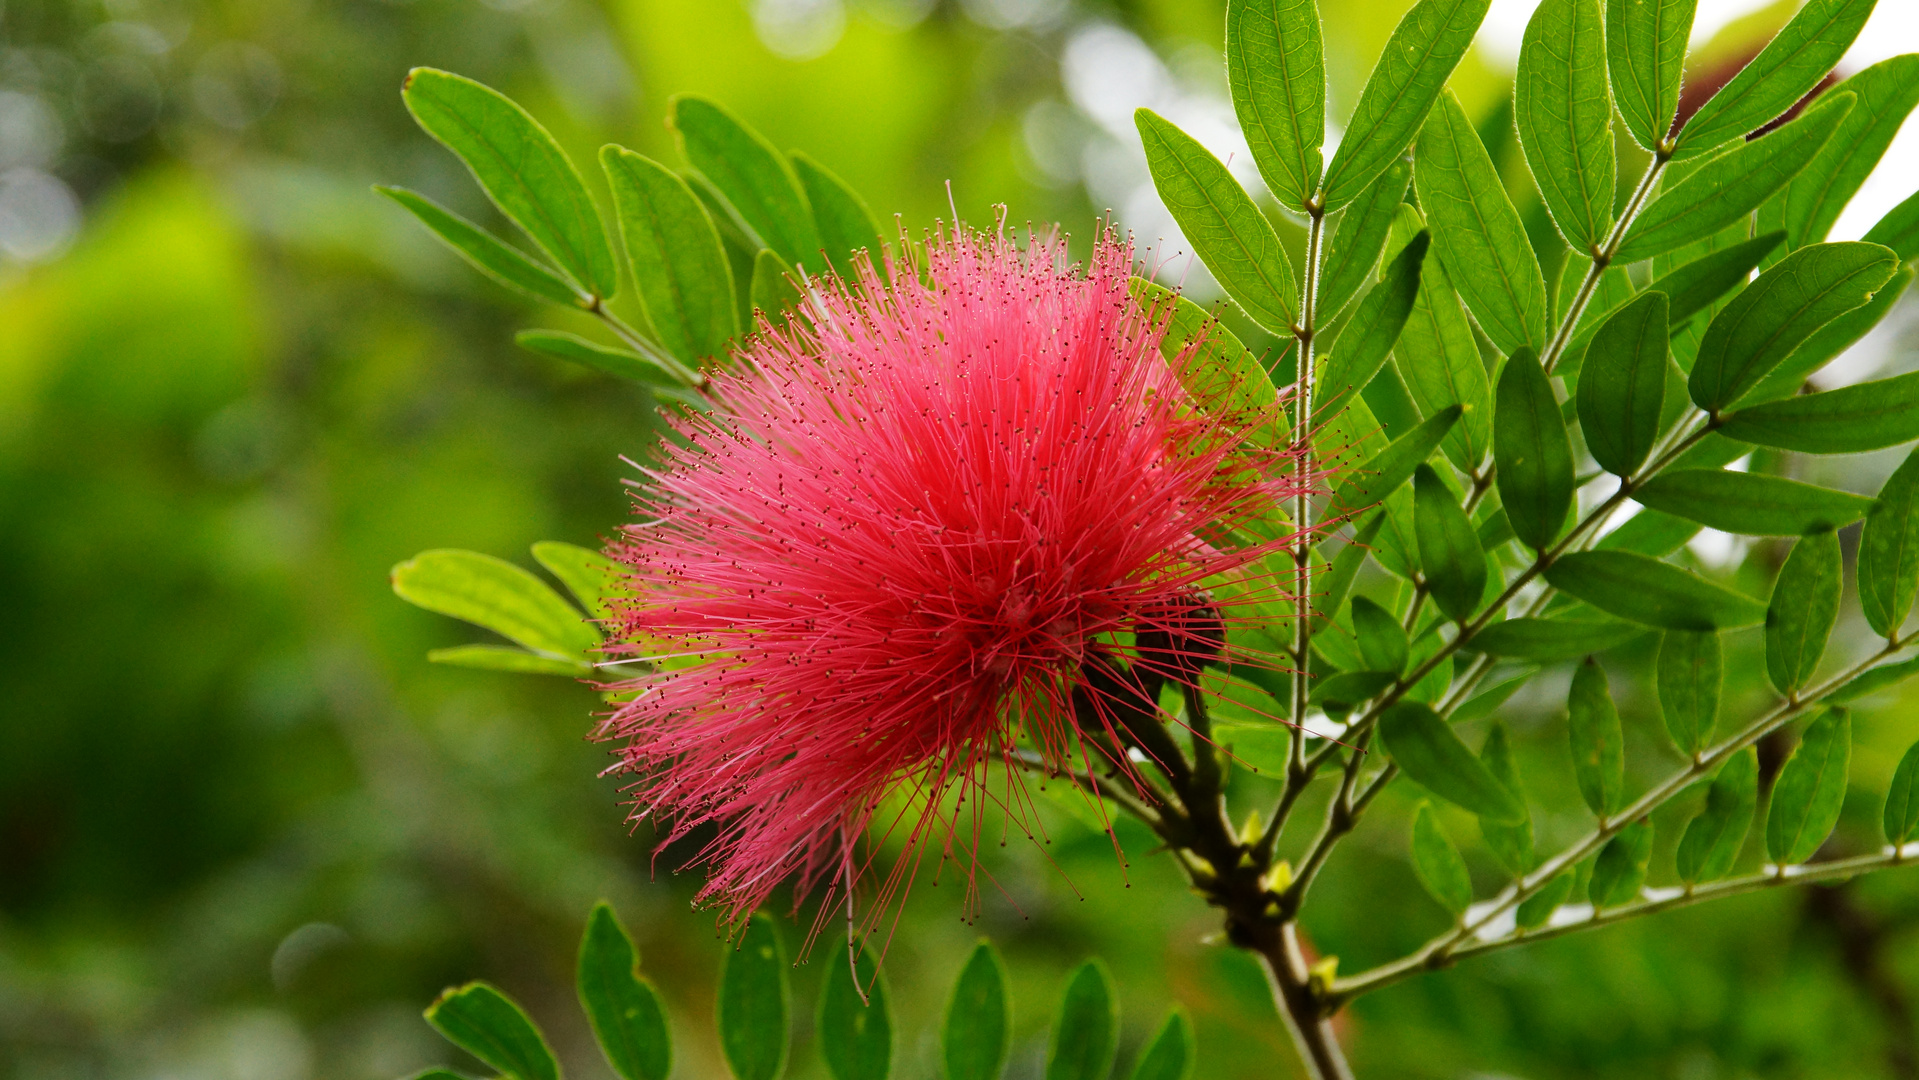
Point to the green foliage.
(1170, 1055)
(622, 1007)
(1361, 236)
(1646, 56)
(1751, 504)
(1221, 374)
(1598, 741)
(521, 168)
(1426, 749)
(1622, 385)
(1438, 865)
(1811, 789)
(757, 180)
(1885, 94)
(1531, 452)
(1645, 590)
(1805, 605)
(1419, 56)
(1563, 110)
(1552, 639)
(1689, 676)
(488, 253)
(1449, 549)
(978, 1030)
(1712, 841)
(1392, 466)
(501, 597)
(774, 287)
(754, 1002)
(674, 256)
(1791, 64)
(845, 222)
(1086, 1030)
(1889, 550)
(487, 1024)
(1510, 843)
(1367, 341)
(1849, 420)
(855, 1026)
(1222, 223)
(1901, 815)
(1276, 65)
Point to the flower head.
(917, 519)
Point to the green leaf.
(1849, 420)
(844, 222)
(1221, 373)
(1477, 232)
(1805, 605)
(1622, 385)
(1437, 864)
(755, 178)
(437, 1074)
(1484, 702)
(622, 1007)
(1419, 57)
(774, 292)
(1829, 341)
(1536, 909)
(753, 1003)
(1563, 109)
(1688, 677)
(590, 576)
(1751, 504)
(522, 169)
(856, 1034)
(1086, 1031)
(1790, 65)
(1899, 229)
(1511, 844)
(1331, 586)
(1811, 789)
(1648, 591)
(1620, 869)
(1439, 358)
(1889, 550)
(1170, 1055)
(1873, 681)
(1366, 342)
(506, 658)
(489, 254)
(1391, 467)
(1763, 325)
(1231, 236)
(619, 363)
(1532, 453)
(1382, 641)
(1361, 237)
(1713, 839)
(487, 1024)
(1902, 799)
(1276, 68)
(1887, 92)
(1551, 639)
(497, 595)
(1338, 695)
(1425, 747)
(1449, 549)
(1697, 285)
(1732, 185)
(1598, 742)
(1646, 52)
(678, 266)
(979, 1019)
(1650, 532)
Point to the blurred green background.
(247, 832)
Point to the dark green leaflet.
(1651, 592)
(1620, 869)
(1360, 237)
(1902, 799)
(1086, 1031)
(677, 264)
(1622, 385)
(1889, 551)
(522, 169)
(1439, 360)
(1449, 549)
(754, 1003)
(623, 1008)
(1732, 185)
(1477, 232)
(1170, 1055)
(856, 1036)
(1749, 503)
(1562, 107)
(1551, 639)
(1421, 54)
(1511, 844)
(978, 1031)
(1393, 466)
(487, 1024)
(1276, 67)
(1713, 839)
(753, 176)
(488, 253)
(1805, 605)
(1689, 675)
(619, 363)
(1437, 864)
(1829, 341)
(1899, 229)
(1598, 742)
(1532, 452)
(1367, 341)
(844, 222)
(1791, 64)
(1887, 92)
(1807, 797)
(1646, 53)
(1426, 748)
(1219, 219)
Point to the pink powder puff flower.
(917, 518)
